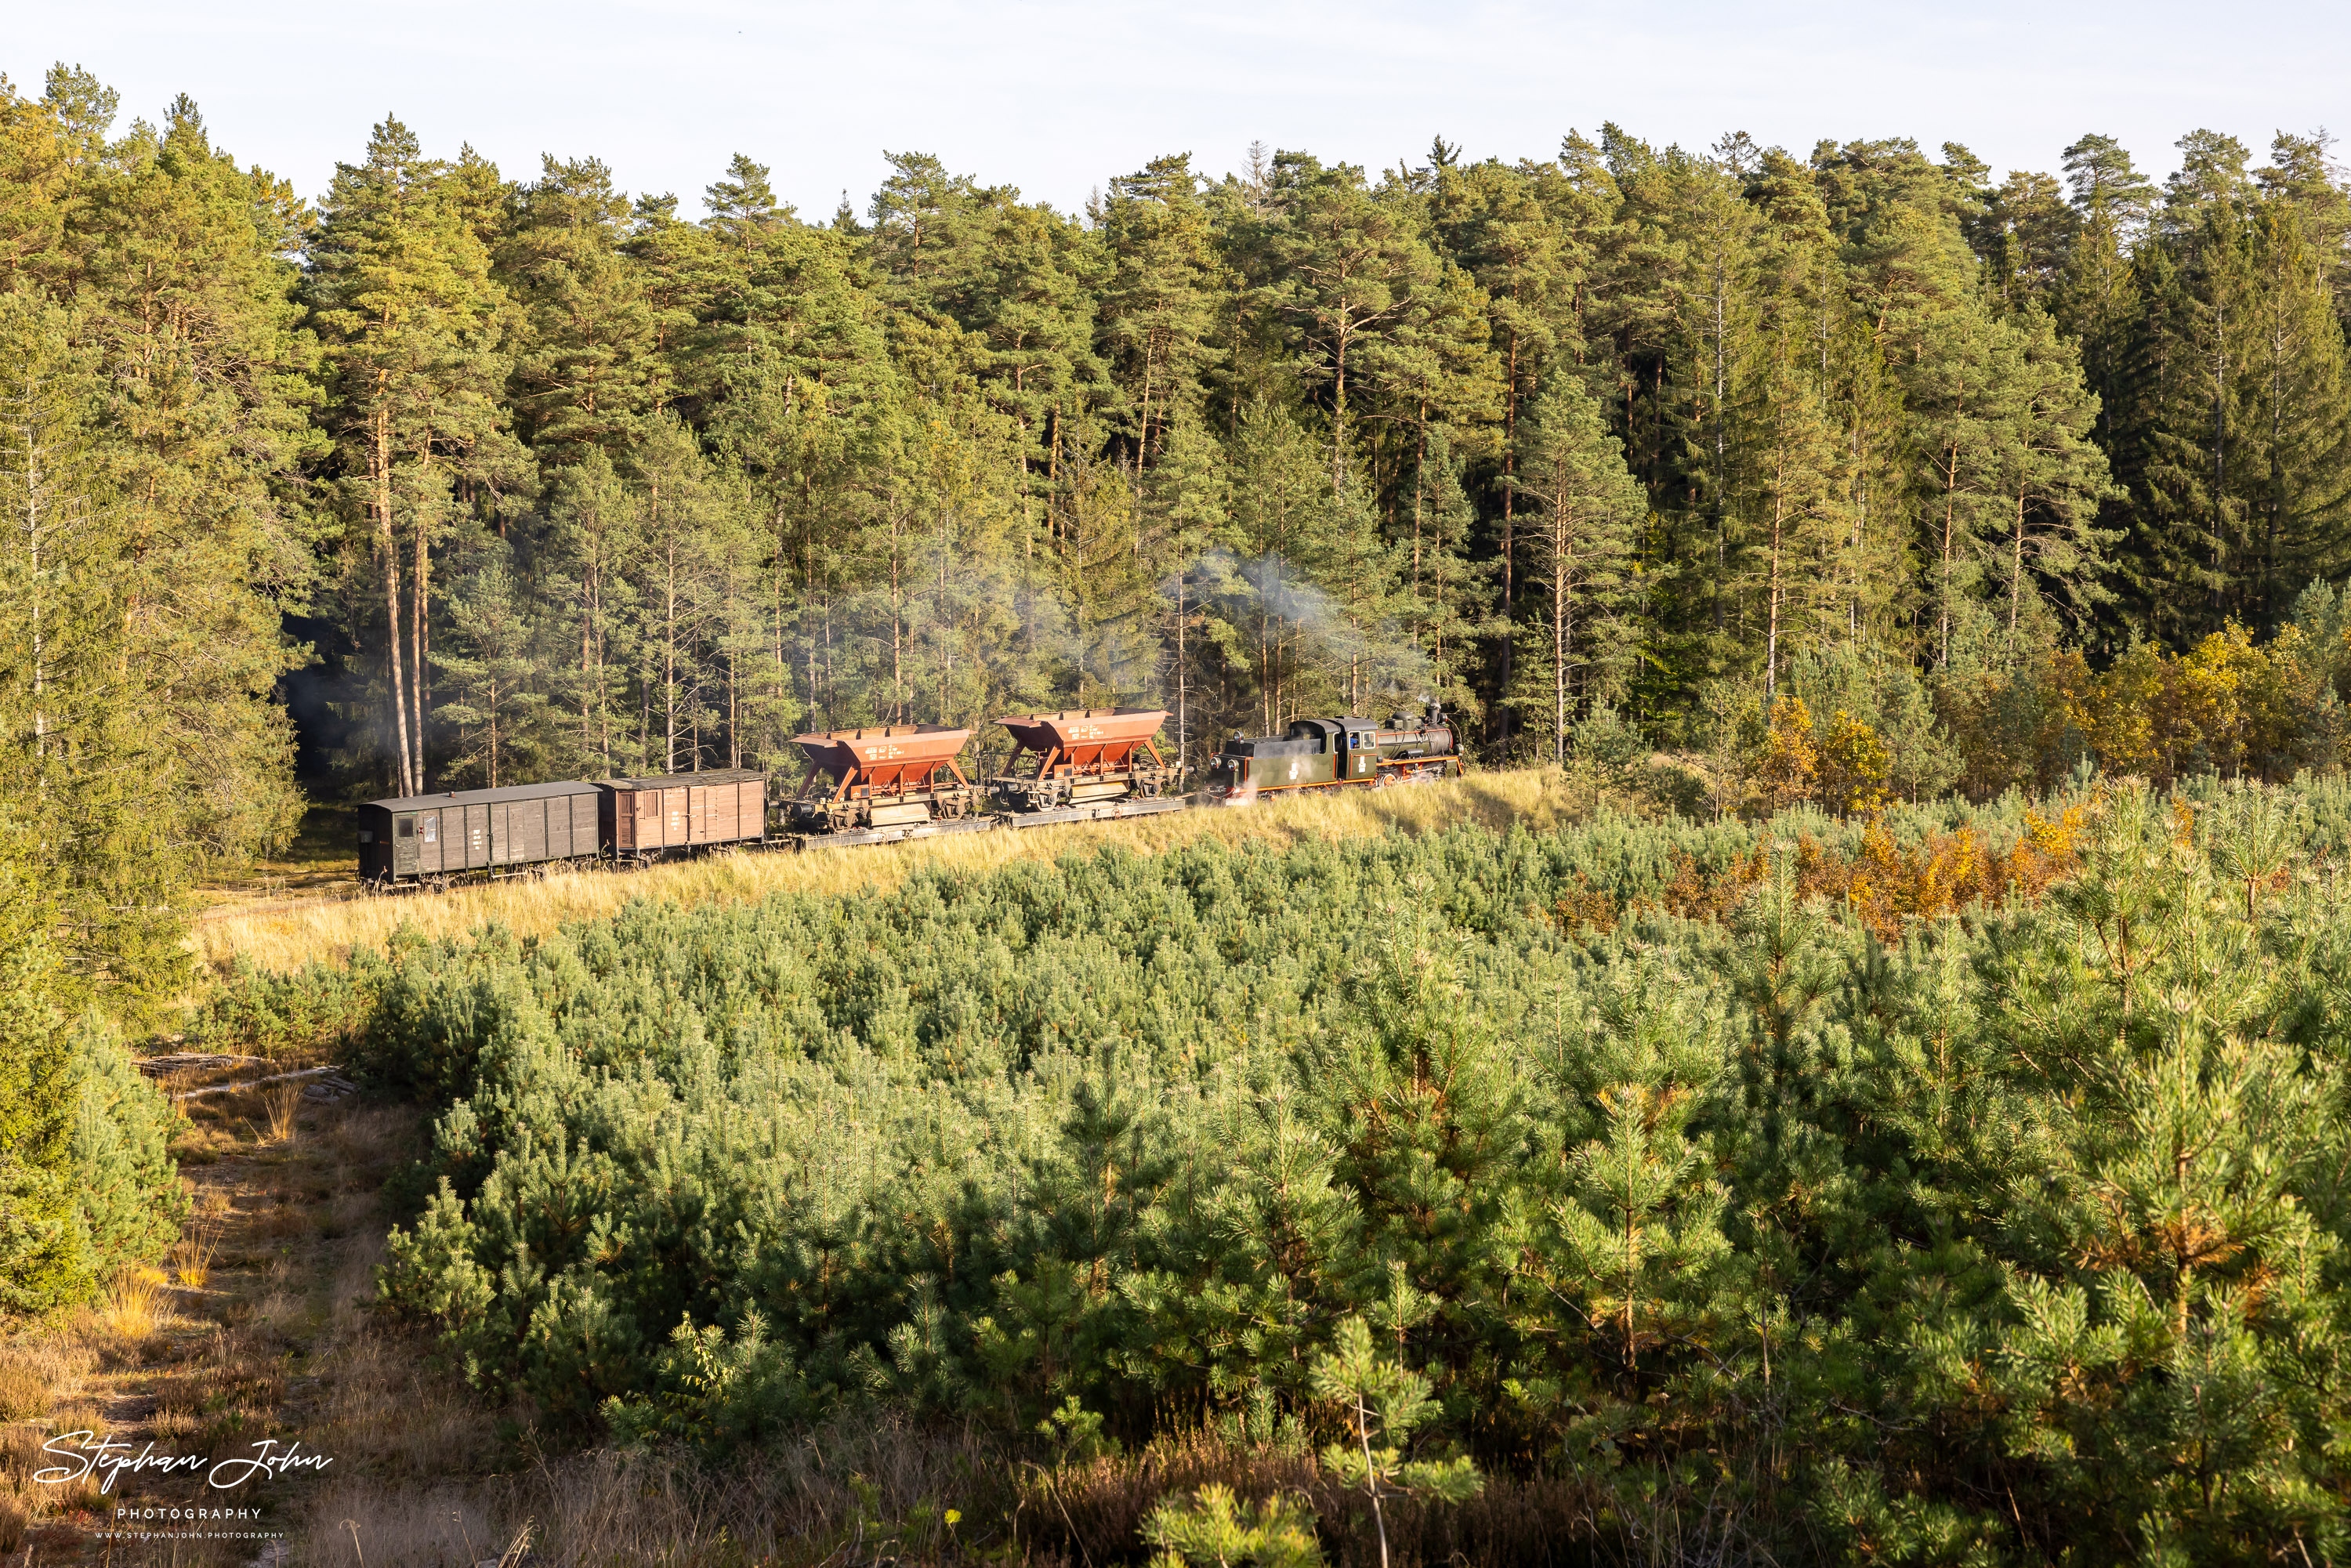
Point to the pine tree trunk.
(1772, 637)
(1501, 725)
(669, 635)
(1950, 523)
(2016, 570)
(1338, 422)
(1722, 451)
(898, 630)
(587, 656)
(418, 670)
(32, 548)
(1559, 632)
(1183, 671)
(380, 452)
(1419, 498)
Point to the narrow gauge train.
(876, 785)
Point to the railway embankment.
(283, 932)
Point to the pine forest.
(1856, 1072)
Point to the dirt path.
(256, 1342)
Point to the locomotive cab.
(1313, 754)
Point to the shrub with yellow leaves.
(1853, 766)
(1788, 762)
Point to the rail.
(356, 890)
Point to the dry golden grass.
(882, 1491)
(282, 1101)
(386, 1413)
(24, 1391)
(282, 1220)
(363, 1140)
(192, 1260)
(132, 1306)
(49, 1366)
(286, 939)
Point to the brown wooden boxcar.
(428, 837)
(643, 817)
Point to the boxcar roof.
(677, 781)
(485, 797)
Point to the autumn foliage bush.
(1880, 880)
(1849, 734)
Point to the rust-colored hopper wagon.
(887, 779)
(650, 819)
(1094, 761)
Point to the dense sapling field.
(1963, 1186)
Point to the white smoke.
(1269, 585)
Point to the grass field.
(284, 935)
(322, 857)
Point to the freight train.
(879, 784)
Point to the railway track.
(876, 785)
(356, 890)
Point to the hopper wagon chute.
(892, 776)
(1083, 762)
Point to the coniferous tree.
(41, 1266)
(742, 206)
(2096, 300)
(1184, 497)
(407, 312)
(582, 355)
(1156, 301)
(1717, 327)
(2051, 479)
(83, 757)
(2297, 419)
(1273, 617)
(210, 418)
(1789, 497)
(491, 672)
(1350, 270)
(1963, 401)
(1588, 509)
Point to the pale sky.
(1057, 97)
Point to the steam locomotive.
(879, 784)
(1334, 753)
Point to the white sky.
(1057, 97)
